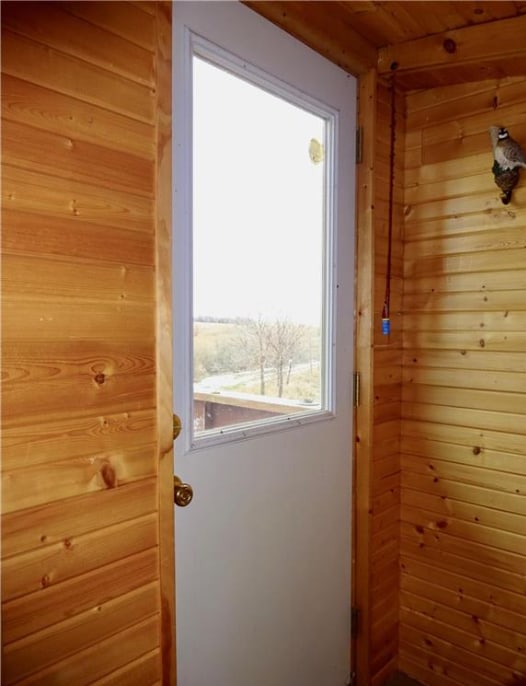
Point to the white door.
(263, 249)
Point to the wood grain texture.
(386, 389)
(24, 102)
(45, 439)
(44, 608)
(31, 530)
(88, 82)
(463, 479)
(135, 25)
(397, 22)
(362, 478)
(457, 484)
(81, 591)
(76, 476)
(66, 559)
(352, 33)
(316, 27)
(24, 190)
(378, 360)
(90, 42)
(67, 74)
(120, 380)
(96, 661)
(63, 157)
(65, 237)
(164, 347)
(95, 321)
(472, 44)
(57, 642)
(144, 670)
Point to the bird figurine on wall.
(509, 158)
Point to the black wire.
(387, 300)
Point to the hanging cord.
(386, 320)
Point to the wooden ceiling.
(427, 43)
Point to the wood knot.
(100, 378)
(477, 450)
(449, 46)
(442, 524)
(108, 475)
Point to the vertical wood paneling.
(85, 182)
(163, 248)
(378, 360)
(365, 365)
(387, 395)
(463, 535)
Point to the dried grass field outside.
(279, 358)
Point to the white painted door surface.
(263, 552)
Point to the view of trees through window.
(269, 357)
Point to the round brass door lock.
(183, 493)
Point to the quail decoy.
(508, 160)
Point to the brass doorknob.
(183, 493)
(177, 426)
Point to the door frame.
(164, 337)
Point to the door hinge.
(359, 145)
(356, 389)
(355, 622)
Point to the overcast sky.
(258, 202)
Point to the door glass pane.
(260, 237)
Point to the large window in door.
(262, 288)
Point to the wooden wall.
(83, 88)
(463, 505)
(440, 456)
(387, 395)
(379, 362)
